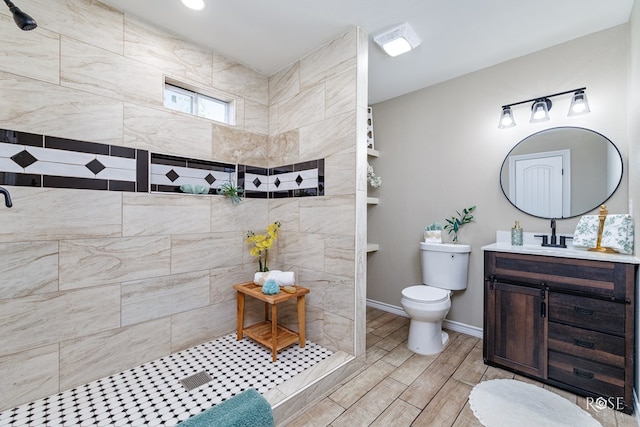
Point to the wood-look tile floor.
(399, 388)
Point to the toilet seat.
(425, 294)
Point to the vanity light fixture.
(541, 106)
(397, 40)
(506, 118)
(22, 20)
(540, 110)
(194, 4)
(579, 104)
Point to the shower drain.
(196, 380)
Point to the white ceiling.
(458, 36)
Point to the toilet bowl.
(427, 307)
(444, 269)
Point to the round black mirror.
(561, 172)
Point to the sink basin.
(550, 251)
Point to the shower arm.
(7, 197)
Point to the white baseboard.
(386, 307)
(446, 323)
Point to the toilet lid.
(423, 293)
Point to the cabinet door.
(516, 327)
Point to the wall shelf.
(372, 247)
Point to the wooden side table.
(268, 332)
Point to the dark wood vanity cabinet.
(568, 322)
(518, 327)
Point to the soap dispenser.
(516, 234)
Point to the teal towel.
(247, 409)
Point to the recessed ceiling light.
(194, 4)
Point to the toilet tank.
(445, 265)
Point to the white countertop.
(532, 246)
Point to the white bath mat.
(507, 403)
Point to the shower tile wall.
(318, 110)
(124, 277)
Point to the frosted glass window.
(190, 102)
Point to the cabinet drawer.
(603, 278)
(588, 313)
(587, 344)
(595, 377)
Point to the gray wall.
(441, 150)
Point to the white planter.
(433, 236)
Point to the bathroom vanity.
(564, 317)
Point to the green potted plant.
(231, 191)
(454, 223)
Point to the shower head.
(22, 20)
(7, 197)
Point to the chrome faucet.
(7, 197)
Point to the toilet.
(444, 269)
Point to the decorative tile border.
(43, 161)
(254, 181)
(168, 173)
(297, 180)
(34, 160)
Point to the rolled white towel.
(282, 278)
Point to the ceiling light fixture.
(542, 105)
(193, 4)
(397, 40)
(22, 20)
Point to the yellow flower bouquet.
(260, 244)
